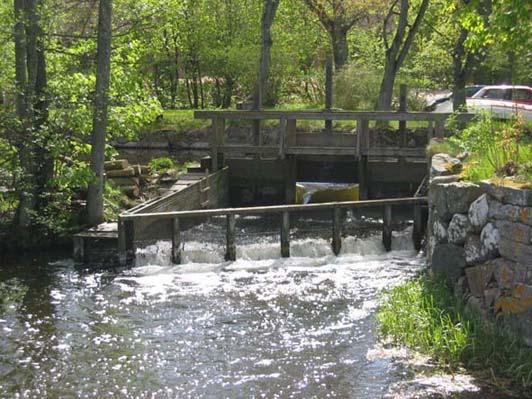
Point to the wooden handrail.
(329, 115)
(278, 208)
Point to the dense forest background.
(190, 54)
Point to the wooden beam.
(176, 241)
(363, 177)
(331, 115)
(282, 138)
(285, 234)
(337, 231)
(230, 252)
(417, 233)
(278, 208)
(387, 228)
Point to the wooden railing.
(332, 144)
(127, 223)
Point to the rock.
(473, 250)
(445, 179)
(458, 229)
(448, 260)
(511, 213)
(520, 300)
(460, 288)
(478, 213)
(119, 164)
(125, 181)
(474, 305)
(515, 231)
(439, 230)
(451, 198)
(478, 278)
(489, 239)
(507, 193)
(508, 273)
(126, 172)
(491, 295)
(444, 164)
(516, 251)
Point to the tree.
(337, 17)
(268, 15)
(31, 108)
(103, 72)
(398, 48)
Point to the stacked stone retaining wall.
(480, 238)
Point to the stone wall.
(480, 237)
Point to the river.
(262, 326)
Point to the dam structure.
(256, 159)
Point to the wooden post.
(291, 126)
(285, 235)
(337, 231)
(417, 233)
(176, 242)
(430, 131)
(282, 138)
(387, 228)
(440, 128)
(230, 253)
(290, 180)
(126, 242)
(363, 146)
(402, 108)
(79, 248)
(328, 91)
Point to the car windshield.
(472, 90)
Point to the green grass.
(424, 315)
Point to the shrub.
(161, 165)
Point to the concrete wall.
(480, 238)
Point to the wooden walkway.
(130, 222)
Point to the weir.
(257, 175)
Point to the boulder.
(491, 295)
(478, 213)
(508, 192)
(448, 260)
(473, 250)
(451, 198)
(515, 231)
(516, 251)
(118, 164)
(508, 273)
(439, 230)
(445, 179)
(458, 229)
(489, 239)
(511, 213)
(460, 288)
(444, 165)
(478, 278)
(520, 300)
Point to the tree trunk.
(103, 71)
(228, 92)
(268, 16)
(339, 47)
(384, 103)
(461, 71)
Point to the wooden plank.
(291, 131)
(321, 150)
(387, 228)
(331, 115)
(176, 241)
(395, 152)
(230, 249)
(214, 143)
(337, 231)
(440, 128)
(278, 208)
(417, 233)
(285, 234)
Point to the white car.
(501, 102)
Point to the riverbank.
(426, 316)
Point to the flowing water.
(262, 326)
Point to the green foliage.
(357, 87)
(493, 145)
(161, 165)
(425, 315)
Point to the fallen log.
(116, 164)
(127, 172)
